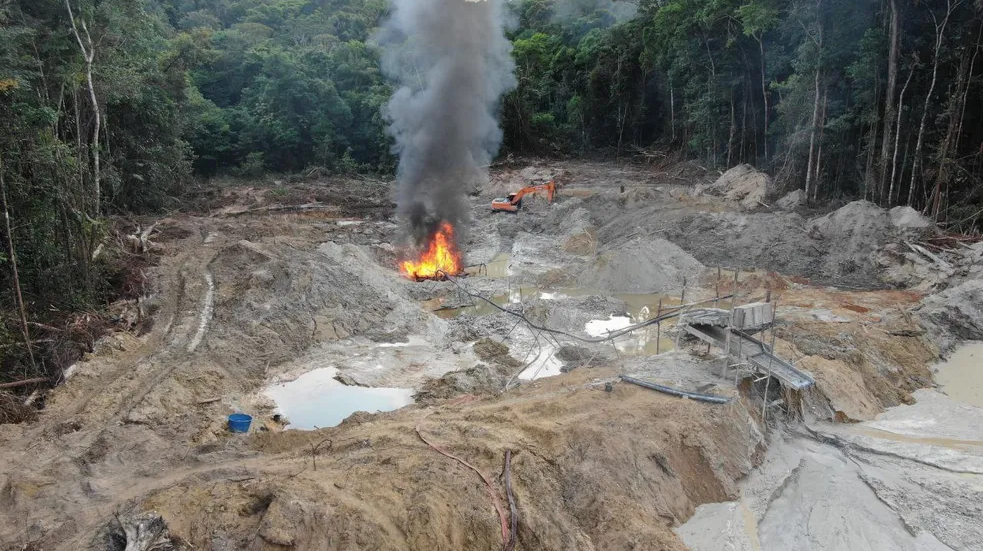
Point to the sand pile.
(742, 184)
(856, 231)
(792, 200)
(642, 265)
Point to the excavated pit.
(304, 322)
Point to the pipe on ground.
(709, 398)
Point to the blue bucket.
(239, 422)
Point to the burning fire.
(441, 257)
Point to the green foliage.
(292, 79)
(249, 87)
(46, 150)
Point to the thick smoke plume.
(451, 62)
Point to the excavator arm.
(549, 188)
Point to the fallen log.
(25, 382)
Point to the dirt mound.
(865, 352)
(495, 352)
(954, 315)
(483, 378)
(579, 233)
(907, 218)
(742, 184)
(642, 265)
(575, 356)
(855, 233)
(275, 301)
(792, 200)
(852, 234)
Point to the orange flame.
(441, 256)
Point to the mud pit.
(255, 296)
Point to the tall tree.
(88, 51)
(757, 18)
(892, 80)
(940, 27)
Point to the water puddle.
(412, 340)
(543, 363)
(496, 268)
(480, 307)
(599, 328)
(647, 341)
(961, 376)
(316, 400)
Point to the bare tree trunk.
(819, 153)
(78, 141)
(744, 101)
(892, 82)
(870, 179)
(764, 90)
(956, 98)
(916, 163)
(672, 111)
(812, 138)
(89, 54)
(710, 83)
(733, 130)
(811, 166)
(897, 132)
(904, 163)
(13, 265)
(969, 83)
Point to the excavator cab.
(506, 204)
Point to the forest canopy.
(114, 106)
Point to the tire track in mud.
(107, 399)
(155, 346)
(164, 356)
(169, 364)
(206, 312)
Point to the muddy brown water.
(961, 376)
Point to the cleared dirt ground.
(264, 284)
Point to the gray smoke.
(603, 12)
(451, 62)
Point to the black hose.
(675, 391)
(668, 313)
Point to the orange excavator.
(514, 200)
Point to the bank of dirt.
(260, 288)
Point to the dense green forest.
(114, 106)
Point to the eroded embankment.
(590, 469)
